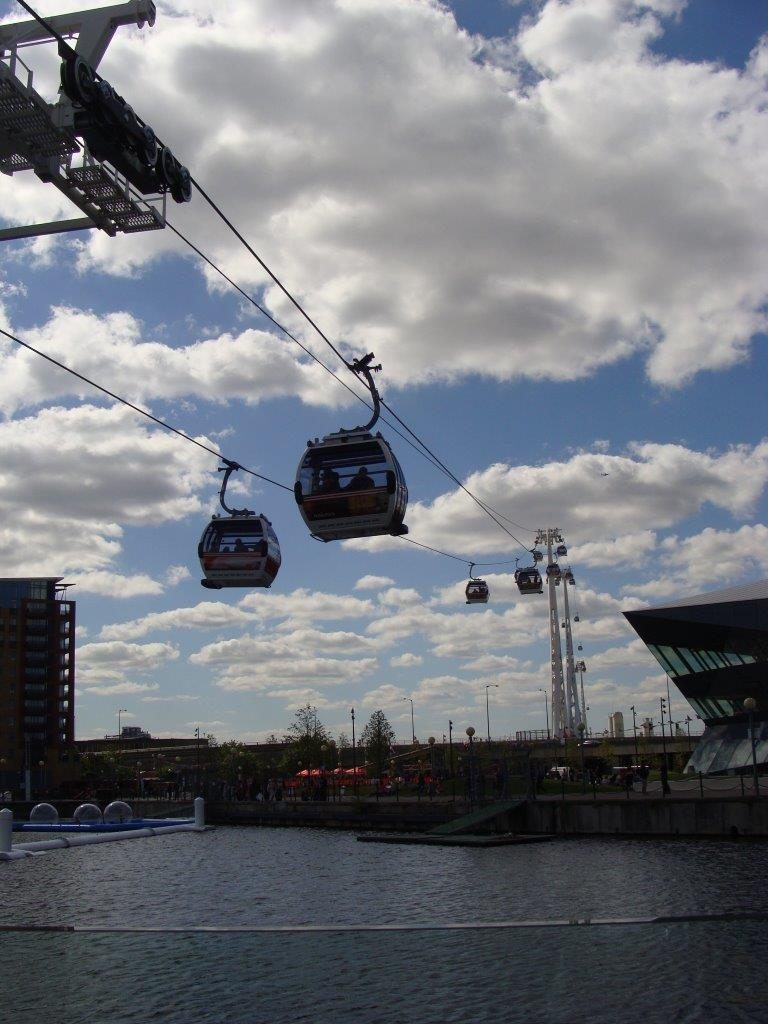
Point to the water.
(459, 944)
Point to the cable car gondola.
(349, 484)
(240, 549)
(529, 580)
(553, 572)
(538, 556)
(477, 590)
(561, 550)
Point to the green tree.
(378, 737)
(306, 736)
(233, 760)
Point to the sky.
(545, 218)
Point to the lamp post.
(664, 765)
(581, 727)
(120, 711)
(450, 760)
(323, 785)
(138, 780)
(354, 753)
(41, 766)
(471, 732)
(750, 705)
(582, 668)
(546, 707)
(634, 732)
(413, 728)
(487, 712)
(431, 742)
(197, 760)
(688, 721)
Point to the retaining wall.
(676, 817)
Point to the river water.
(282, 925)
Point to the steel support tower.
(550, 537)
(573, 711)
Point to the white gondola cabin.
(239, 550)
(350, 484)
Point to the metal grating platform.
(27, 136)
(101, 189)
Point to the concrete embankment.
(643, 816)
(405, 816)
(649, 817)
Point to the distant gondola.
(349, 484)
(477, 590)
(240, 549)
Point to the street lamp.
(138, 779)
(413, 728)
(487, 712)
(431, 742)
(197, 759)
(354, 754)
(582, 668)
(120, 711)
(546, 707)
(664, 765)
(450, 760)
(750, 706)
(323, 751)
(471, 732)
(634, 733)
(581, 727)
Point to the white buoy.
(6, 830)
(199, 812)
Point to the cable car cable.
(204, 447)
(303, 347)
(350, 366)
(458, 558)
(271, 273)
(136, 408)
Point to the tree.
(307, 735)
(378, 737)
(233, 760)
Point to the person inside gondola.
(329, 481)
(360, 481)
(239, 546)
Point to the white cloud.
(176, 574)
(74, 478)
(652, 486)
(703, 559)
(117, 688)
(113, 584)
(205, 615)
(112, 660)
(406, 661)
(374, 582)
(601, 197)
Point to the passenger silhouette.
(360, 481)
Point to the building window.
(678, 666)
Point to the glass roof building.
(714, 647)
